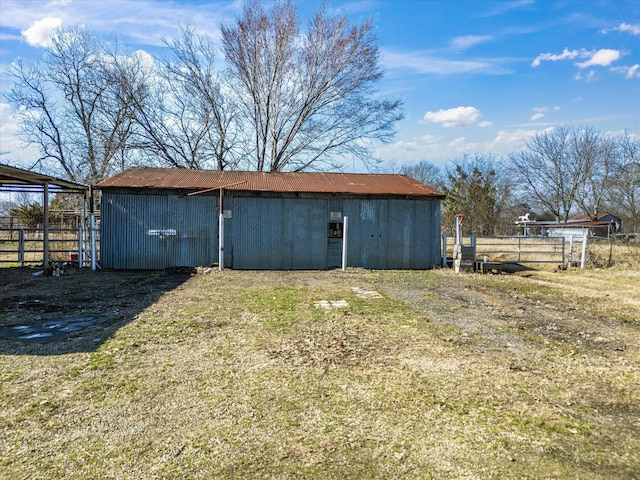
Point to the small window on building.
(335, 230)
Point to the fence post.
(570, 252)
(519, 248)
(584, 250)
(563, 246)
(80, 241)
(21, 247)
(444, 251)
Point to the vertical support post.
(80, 240)
(45, 227)
(584, 250)
(519, 248)
(221, 242)
(92, 236)
(83, 226)
(570, 252)
(563, 257)
(457, 247)
(444, 251)
(21, 247)
(345, 242)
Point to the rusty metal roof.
(311, 182)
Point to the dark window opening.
(335, 230)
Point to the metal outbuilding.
(160, 218)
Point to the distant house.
(160, 218)
(604, 226)
(601, 218)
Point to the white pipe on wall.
(221, 242)
(344, 243)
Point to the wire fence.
(561, 251)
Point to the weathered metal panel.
(196, 221)
(274, 233)
(367, 232)
(158, 231)
(410, 234)
(306, 229)
(393, 233)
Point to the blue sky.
(477, 77)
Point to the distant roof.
(14, 179)
(310, 182)
(586, 218)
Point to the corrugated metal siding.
(268, 231)
(393, 233)
(278, 233)
(128, 219)
(412, 243)
(367, 232)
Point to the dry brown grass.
(238, 375)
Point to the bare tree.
(76, 105)
(597, 154)
(424, 172)
(187, 120)
(305, 99)
(624, 191)
(553, 169)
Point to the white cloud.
(430, 138)
(422, 62)
(514, 140)
(460, 146)
(14, 151)
(468, 41)
(602, 58)
(540, 112)
(625, 27)
(629, 72)
(454, 117)
(39, 33)
(439, 150)
(485, 124)
(589, 77)
(565, 55)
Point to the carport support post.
(92, 235)
(45, 226)
(344, 243)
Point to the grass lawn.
(242, 375)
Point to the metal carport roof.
(14, 179)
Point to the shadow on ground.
(75, 312)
